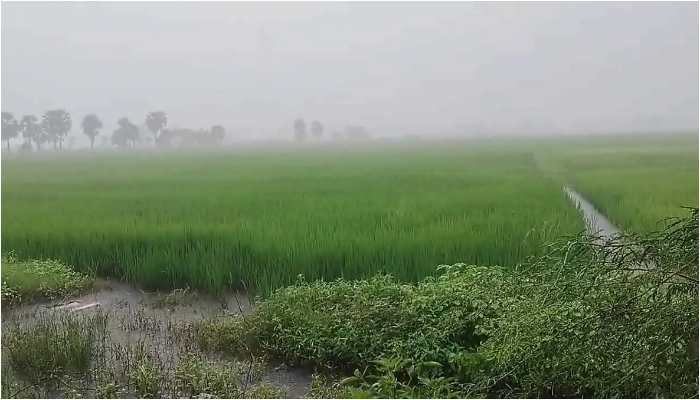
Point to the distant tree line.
(55, 125)
(316, 131)
(53, 128)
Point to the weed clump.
(196, 378)
(225, 335)
(177, 297)
(54, 346)
(28, 281)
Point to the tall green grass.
(636, 180)
(264, 216)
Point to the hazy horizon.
(396, 68)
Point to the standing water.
(596, 222)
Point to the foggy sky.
(423, 68)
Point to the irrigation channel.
(153, 319)
(596, 222)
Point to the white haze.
(398, 68)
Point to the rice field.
(260, 217)
(637, 181)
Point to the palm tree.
(56, 124)
(31, 130)
(155, 122)
(91, 127)
(10, 127)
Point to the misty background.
(431, 69)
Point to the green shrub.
(355, 322)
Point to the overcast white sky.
(394, 67)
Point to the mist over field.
(429, 69)
(349, 200)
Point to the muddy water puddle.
(135, 321)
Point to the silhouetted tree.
(31, 131)
(126, 134)
(10, 127)
(91, 127)
(299, 130)
(156, 121)
(56, 124)
(218, 133)
(316, 129)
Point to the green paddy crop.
(261, 217)
(636, 180)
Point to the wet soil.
(152, 320)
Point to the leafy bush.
(354, 322)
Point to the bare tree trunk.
(8, 145)
(92, 142)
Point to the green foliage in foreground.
(27, 281)
(355, 322)
(584, 320)
(213, 220)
